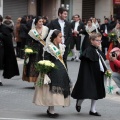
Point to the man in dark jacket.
(64, 26)
(8, 62)
(105, 29)
(76, 26)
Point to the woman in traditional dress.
(36, 42)
(95, 23)
(90, 81)
(56, 93)
(88, 30)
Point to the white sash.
(35, 35)
(56, 52)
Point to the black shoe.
(95, 114)
(55, 115)
(78, 108)
(1, 84)
(117, 93)
(72, 59)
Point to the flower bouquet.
(44, 67)
(113, 38)
(108, 74)
(28, 51)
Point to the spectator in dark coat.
(8, 62)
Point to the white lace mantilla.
(49, 50)
(90, 29)
(43, 35)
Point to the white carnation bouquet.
(44, 67)
(28, 51)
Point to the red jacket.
(115, 65)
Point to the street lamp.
(62, 5)
(66, 6)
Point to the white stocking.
(80, 102)
(93, 106)
(51, 109)
(1, 75)
(73, 52)
(77, 54)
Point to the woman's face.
(58, 39)
(39, 23)
(118, 26)
(96, 42)
(89, 23)
(94, 20)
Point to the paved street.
(16, 101)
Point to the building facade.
(85, 8)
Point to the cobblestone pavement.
(16, 101)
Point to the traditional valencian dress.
(88, 30)
(36, 42)
(56, 93)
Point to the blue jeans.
(116, 78)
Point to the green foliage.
(113, 37)
(108, 74)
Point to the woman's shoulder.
(45, 27)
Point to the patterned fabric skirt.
(44, 97)
(29, 72)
